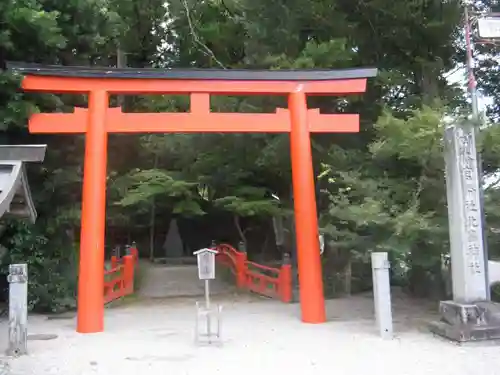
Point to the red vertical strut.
(312, 299)
(91, 276)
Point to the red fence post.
(285, 280)
(128, 274)
(241, 270)
(241, 265)
(114, 261)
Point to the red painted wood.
(119, 122)
(100, 120)
(221, 87)
(119, 280)
(264, 280)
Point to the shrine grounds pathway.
(261, 337)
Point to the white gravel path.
(261, 337)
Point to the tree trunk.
(427, 80)
(264, 246)
(237, 224)
(152, 224)
(121, 62)
(152, 221)
(348, 277)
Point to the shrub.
(495, 292)
(51, 268)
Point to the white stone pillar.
(382, 294)
(465, 217)
(18, 310)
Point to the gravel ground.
(260, 337)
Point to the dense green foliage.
(382, 189)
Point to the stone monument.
(173, 246)
(470, 316)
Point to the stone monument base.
(468, 322)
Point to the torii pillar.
(99, 120)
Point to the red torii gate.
(99, 120)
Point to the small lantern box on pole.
(206, 271)
(206, 263)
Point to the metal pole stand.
(208, 319)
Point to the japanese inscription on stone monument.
(472, 214)
(464, 212)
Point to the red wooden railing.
(268, 281)
(119, 279)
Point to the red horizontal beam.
(221, 87)
(119, 122)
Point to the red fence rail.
(119, 279)
(268, 281)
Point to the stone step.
(160, 281)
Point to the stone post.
(285, 279)
(464, 212)
(470, 316)
(382, 294)
(242, 247)
(18, 310)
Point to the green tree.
(384, 187)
